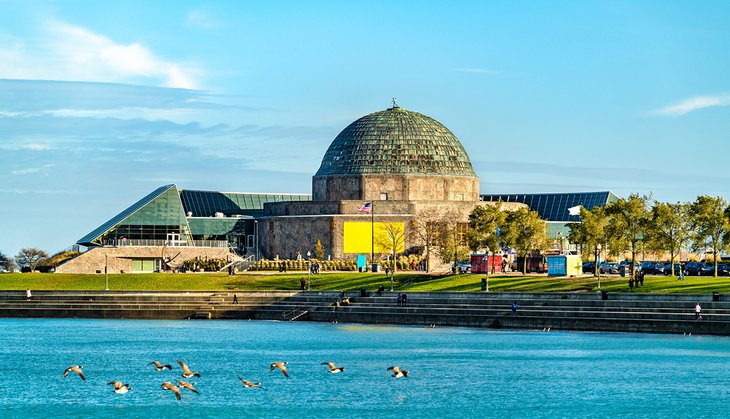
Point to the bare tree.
(393, 240)
(7, 263)
(30, 257)
(426, 226)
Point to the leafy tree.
(710, 225)
(525, 232)
(393, 239)
(484, 222)
(668, 228)
(628, 220)
(30, 257)
(591, 232)
(319, 250)
(6, 263)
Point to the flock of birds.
(122, 388)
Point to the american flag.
(366, 207)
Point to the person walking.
(514, 308)
(403, 299)
(303, 283)
(399, 300)
(235, 299)
(698, 312)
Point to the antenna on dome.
(395, 103)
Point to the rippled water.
(454, 372)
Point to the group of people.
(638, 281)
(401, 300)
(314, 268)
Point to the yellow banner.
(358, 237)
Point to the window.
(383, 196)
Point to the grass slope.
(336, 281)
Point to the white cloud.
(68, 52)
(693, 104)
(26, 171)
(201, 18)
(37, 147)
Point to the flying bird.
(397, 372)
(249, 384)
(77, 369)
(185, 384)
(160, 367)
(186, 371)
(172, 387)
(333, 369)
(120, 388)
(281, 366)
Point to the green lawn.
(354, 281)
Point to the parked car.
(589, 267)
(652, 268)
(723, 269)
(608, 268)
(464, 267)
(695, 269)
(668, 269)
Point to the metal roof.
(554, 206)
(395, 142)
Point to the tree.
(485, 224)
(525, 232)
(393, 240)
(668, 228)
(319, 250)
(591, 232)
(427, 226)
(710, 225)
(452, 242)
(6, 263)
(30, 257)
(628, 220)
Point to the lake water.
(454, 372)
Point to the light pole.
(106, 272)
(486, 271)
(309, 271)
(256, 237)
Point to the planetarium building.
(381, 172)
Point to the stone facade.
(397, 188)
(119, 259)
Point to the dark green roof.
(396, 141)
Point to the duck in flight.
(185, 384)
(186, 371)
(172, 387)
(332, 368)
(250, 384)
(397, 372)
(77, 369)
(160, 367)
(281, 366)
(120, 388)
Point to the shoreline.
(600, 312)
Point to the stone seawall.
(620, 312)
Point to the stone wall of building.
(398, 188)
(119, 259)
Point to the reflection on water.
(454, 372)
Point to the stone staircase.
(621, 312)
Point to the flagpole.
(372, 234)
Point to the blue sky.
(102, 102)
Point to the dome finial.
(395, 103)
